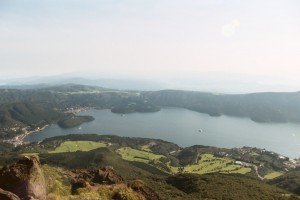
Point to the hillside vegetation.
(289, 181)
(74, 121)
(155, 163)
(20, 108)
(220, 186)
(209, 164)
(73, 146)
(260, 107)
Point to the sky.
(152, 39)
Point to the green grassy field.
(272, 175)
(146, 148)
(209, 164)
(130, 154)
(73, 146)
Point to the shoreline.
(76, 111)
(19, 139)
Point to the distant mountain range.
(207, 82)
(42, 82)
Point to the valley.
(156, 164)
(149, 100)
(54, 126)
(181, 126)
(171, 158)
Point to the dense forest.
(260, 107)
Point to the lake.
(182, 127)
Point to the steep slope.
(25, 179)
(222, 186)
(14, 117)
(79, 175)
(143, 164)
(289, 181)
(28, 180)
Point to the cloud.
(229, 30)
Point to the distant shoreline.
(19, 139)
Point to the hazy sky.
(150, 38)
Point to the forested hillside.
(260, 107)
(20, 108)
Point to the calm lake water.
(181, 127)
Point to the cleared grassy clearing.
(173, 169)
(272, 175)
(146, 148)
(130, 154)
(209, 164)
(73, 146)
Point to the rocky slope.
(95, 167)
(6, 195)
(25, 180)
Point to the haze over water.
(182, 127)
